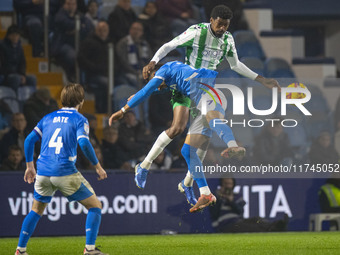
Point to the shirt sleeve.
(183, 40)
(38, 129)
(30, 141)
(235, 64)
(88, 150)
(83, 129)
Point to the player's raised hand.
(30, 173)
(268, 83)
(101, 172)
(147, 70)
(116, 116)
(272, 83)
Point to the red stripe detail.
(211, 88)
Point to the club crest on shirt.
(86, 128)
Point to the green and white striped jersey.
(205, 50)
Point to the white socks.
(188, 180)
(162, 141)
(232, 143)
(90, 247)
(205, 190)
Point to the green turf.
(268, 243)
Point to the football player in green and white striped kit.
(206, 44)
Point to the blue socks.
(28, 226)
(93, 219)
(222, 130)
(194, 164)
(30, 222)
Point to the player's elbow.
(234, 67)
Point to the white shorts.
(74, 187)
(200, 125)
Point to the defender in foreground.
(59, 132)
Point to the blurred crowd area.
(137, 30)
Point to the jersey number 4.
(56, 141)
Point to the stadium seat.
(321, 118)
(120, 95)
(224, 71)
(138, 6)
(247, 44)
(298, 136)
(263, 102)
(315, 220)
(228, 73)
(317, 101)
(106, 8)
(254, 63)
(7, 92)
(243, 134)
(278, 68)
(13, 104)
(25, 92)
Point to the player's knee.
(99, 204)
(94, 204)
(185, 151)
(175, 131)
(213, 115)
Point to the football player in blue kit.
(178, 76)
(60, 132)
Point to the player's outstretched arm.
(138, 98)
(118, 114)
(183, 40)
(101, 172)
(268, 83)
(30, 172)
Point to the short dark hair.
(222, 12)
(233, 179)
(14, 147)
(13, 29)
(72, 95)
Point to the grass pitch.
(258, 243)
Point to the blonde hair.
(72, 95)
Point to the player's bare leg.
(233, 150)
(179, 122)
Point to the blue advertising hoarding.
(129, 210)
